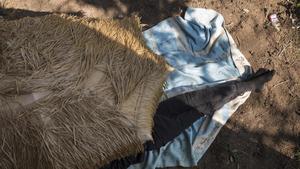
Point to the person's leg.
(211, 99)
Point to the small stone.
(246, 10)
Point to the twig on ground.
(284, 48)
(278, 84)
(267, 14)
(238, 41)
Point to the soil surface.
(265, 132)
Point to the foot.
(258, 79)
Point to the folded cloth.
(203, 54)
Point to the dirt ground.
(265, 132)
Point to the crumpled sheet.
(203, 54)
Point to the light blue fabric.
(202, 53)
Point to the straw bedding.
(75, 92)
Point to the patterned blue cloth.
(202, 53)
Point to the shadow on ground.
(150, 11)
(244, 149)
